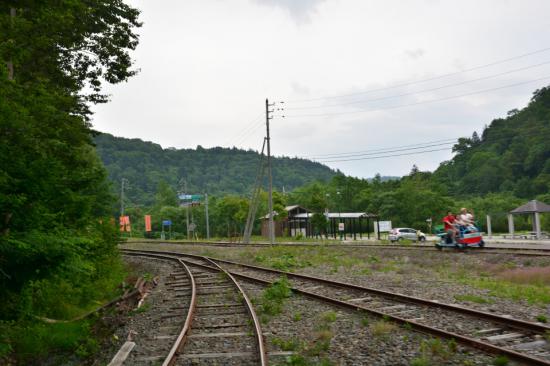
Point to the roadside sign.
(385, 226)
(192, 226)
(147, 222)
(166, 222)
(341, 226)
(190, 197)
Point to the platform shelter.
(354, 224)
(534, 208)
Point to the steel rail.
(182, 337)
(170, 360)
(251, 312)
(522, 324)
(472, 342)
(418, 326)
(540, 252)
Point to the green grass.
(328, 317)
(532, 293)
(382, 329)
(273, 298)
(501, 361)
(542, 318)
(35, 341)
(288, 259)
(291, 344)
(473, 298)
(142, 309)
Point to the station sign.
(385, 226)
(190, 197)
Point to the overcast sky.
(208, 65)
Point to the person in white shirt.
(463, 218)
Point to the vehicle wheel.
(439, 247)
(422, 239)
(481, 244)
(399, 240)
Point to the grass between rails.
(312, 350)
(517, 281)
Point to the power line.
(424, 80)
(491, 139)
(249, 133)
(379, 149)
(388, 151)
(419, 103)
(244, 130)
(385, 156)
(424, 90)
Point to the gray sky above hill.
(208, 65)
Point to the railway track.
(520, 340)
(207, 319)
(542, 252)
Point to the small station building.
(298, 220)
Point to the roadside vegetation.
(58, 255)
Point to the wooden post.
(537, 225)
(489, 229)
(511, 225)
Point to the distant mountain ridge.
(215, 170)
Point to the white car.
(402, 233)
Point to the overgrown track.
(221, 326)
(517, 339)
(541, 252)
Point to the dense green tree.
(58, 252)
(57, 51)
(217, 170)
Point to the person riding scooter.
(450, 221)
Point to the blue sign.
(166, 222)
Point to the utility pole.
(254, 199)
(123, 184)
(206, 212)
(183, 189)
(269, 174)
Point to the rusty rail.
(540, 252)
(484, 346)
(182, 336)
(250, 309)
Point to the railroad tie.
(504, 337)
(531, 345)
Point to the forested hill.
(511, 155)
(217, 170)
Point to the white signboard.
(341, 226)
(385, 226)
